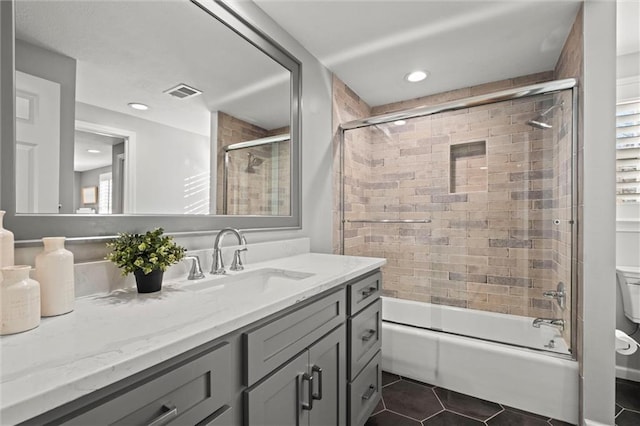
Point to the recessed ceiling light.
(416, 76)
(138, 106)
(94, 151)
(400, 122)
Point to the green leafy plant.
(148, 252)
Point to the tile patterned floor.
(406, 402)
(627, 403)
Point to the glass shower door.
(473, 210)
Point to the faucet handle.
(237, 265)
(558, 294)
(217, 267)
(196, 270)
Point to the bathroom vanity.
(303, 349)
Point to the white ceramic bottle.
(54, 272)
(20, 299)
(6, 244)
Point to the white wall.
(161, 182)
(597, 310)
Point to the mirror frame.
(77, 227)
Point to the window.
(628, 152)
(105, 191)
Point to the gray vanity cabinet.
(316, 363)
(364, 326)
(184, 392)
(308, 390)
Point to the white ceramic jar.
(54, 272)
(20, 300)
(6, 244)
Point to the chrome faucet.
(549, 322)
(218, 265)
(196, 270)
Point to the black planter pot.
(149, 283)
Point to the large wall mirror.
(131, 114)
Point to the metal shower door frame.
(469, 102)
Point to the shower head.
(539, 123)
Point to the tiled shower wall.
(492, 187)
(266, 189)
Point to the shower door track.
(503, 95)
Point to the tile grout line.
(403, 415)
(502, 410)
(473, 418)
(433, 415)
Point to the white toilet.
(629, 280)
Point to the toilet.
(629, 281)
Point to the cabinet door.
(327, 364)
(278, 400)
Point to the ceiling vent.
(182, 91)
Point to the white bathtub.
(531, 380)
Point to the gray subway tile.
(510, 281)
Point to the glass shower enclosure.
(256, 177)
(473, 204)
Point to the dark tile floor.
(627, 403)
(412, 403)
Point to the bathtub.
(427, 342)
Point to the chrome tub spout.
(549, 322)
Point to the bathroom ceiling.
(372, 44)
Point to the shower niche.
(468, 167)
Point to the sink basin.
(248, 282)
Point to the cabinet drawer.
(183, 395)
(365, 391)
(270, 345)
(224, 417)
(363, 292)
(364, 337)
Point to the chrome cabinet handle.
(316, 369)
(369, 393)
(166, 416)
(368, 335)
(368, 292)
(309, 379)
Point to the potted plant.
(146, 255)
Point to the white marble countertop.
(111, 336)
